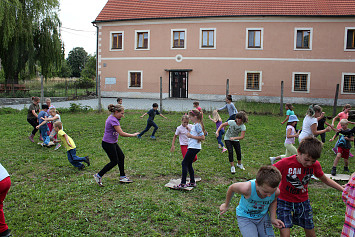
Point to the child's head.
(268, 179)
(52, 111)
(116, 110)
(311, 147)
(292, 120)
(229, 98)
(242, 116)
(48, 101)
(119, 100)
(155, 106)
(344, 123)
(195, 115)
(35, 99)
(289, 106)
(196, 104)
(314, 110)
(347, 107)
(45, 107)
(58, 126)
(215, 115)
(184, 120)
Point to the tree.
(89, 70)
(77, 58)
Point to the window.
(252, 81)
(142, 40)
(300, 82)
(116, 40)
(254, 39)
(303, 38)
(349, 39)
(135, 79)
(208, 38)
(178, 39)
(348, 83)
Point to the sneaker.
(57, 146)
(351, 155)
(334, 171)
(98, 180)
(180, 186)
(272, 159)
(125, 179)
(233, 170)
(240, 166)
(81, 167)
(87, 161)
(152, 137)
(6, 233)
(335, 150)
(219, 146)
(31, 138)
(193, 185)
(224, 149)
(346, 169)
(139, 137)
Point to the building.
(196, 45)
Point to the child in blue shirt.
(258, 196)
(150, 121)
(43, 127)
(232, 111)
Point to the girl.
(235, 132)
(232, 111)
(54, 117)
(182, 132)
(48, 102)
(5, 184)
(289, 111)
(109, 144)
(310, 122)
(32, 116)
(349, 199)
(195, 136)
(217, 119)
(291, 134)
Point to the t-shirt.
(218, 124)
(293, 132)
(306, 127)
(290, 112)
(349, 199)
(61, 134)
(42, 114)
(111, 135)
(152, 113)
(30, 114)
(346, 144)
(234, 130)
(295, 178)
(321, 123)
(341, 116)
(196, 130)
(3, 173)
(182, 131)
(231, 109)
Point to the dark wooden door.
(179, 84)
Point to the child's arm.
(331, 183)
(334, 120)
(317, 132)
(288, 134)
(67, 140)
(243, 188)
(328, 124)
(287, 117)
(124, 134)
(44, 122)
(199, 138)
(242, 134)
(163, 116)
(272, 209)
(51, 119)
(143, 115)
(209, 116)
(34, 113)
(349, 138)
(173, 143)
(220, 127)
(335, 135)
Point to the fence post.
(161, 94)
(99, 94)
(282, 99)
(66, 87)
(42, 91)
(227, 87)
(336, 100)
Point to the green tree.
(89, 70)
(77, 59)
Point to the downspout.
(98, 90)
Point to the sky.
(77, 30)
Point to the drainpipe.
(98, 90)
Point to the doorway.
(178, 84)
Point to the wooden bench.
(13, 87)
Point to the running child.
(70, 146)
(235, 132)
(43, 127)
(150, 121)
(119, 101)
(109, 144)
(289, 111)
(293, 204)
(54, 116)
(32, 117)
(232, 111)
(349, 199)
(218, 121)
(258, 197)
(182, 132)
(291, 136)
(344, 145)
(196, 105)
(195, 136)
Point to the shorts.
(295, 213)
(344, 152)
(255, 227)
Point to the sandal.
(193, 185)
(180, 186)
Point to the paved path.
(140, 104)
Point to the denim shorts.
(295, 213)
(256, 227)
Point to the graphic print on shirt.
(298, 186)
(257, 207)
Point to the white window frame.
(172, 38)
(136, 38)
(246, 80)
(129, 80)
(214, 38)
(116, 32)
(342, 82)
(308, 81)
(261, 38)
(310, 38)
(346, 38)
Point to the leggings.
(290, 151)
(219, 138)
(116, 156)
(230, 144)
(187, 165)
(4, 188)
(34, 123)
(184, 151)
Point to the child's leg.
(230, 151)
(33, 123)
(290, 150)
(310, 233)
(219, 138)
(336, 160)
(155, 128)
(322, 136)
(112, 155)
(236, 145)
(284, 213)
(4, 188)
(264, 226)
(74, 159)
(146, 129)
(121, 157)
(183, 150)
(187, 165)
(247, 226)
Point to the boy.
(71, 148)
(258, 196)
(344, 146)
(232, 111)
(196, 105)
(293, 205)
(119, 101)
(150, 122)
(43, 127)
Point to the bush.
(85, 83)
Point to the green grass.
(49, 197)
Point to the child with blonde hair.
(54, 117)
(218, 121)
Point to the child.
(5, 183)
(196, 105)
(217, 119)
(232, 111)
(195, 136)
(235, 132)
(150, 121)
(258, 196)
(32, 116)
(109, 144)
(349, 199)
(289, 111)
(291, 134)
(43, 127)
(71, 148)
(293, 205)
(53, 117)
(344, 146)
(182, 132)
(119, 101)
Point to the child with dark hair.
(43, 127)
(119, 101)
(232, 111)
(150, 121)
(32, 116)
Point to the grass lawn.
(49, 197)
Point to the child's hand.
(217, 134)
(232, 138)
(172, 148)
(189, 135)
(297, 134)
(135, 134)
(277, 223)
(328, 129)
(142, 116)
(223, 208)
(37, 127)
(331, 139)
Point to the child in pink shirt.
(349, 199)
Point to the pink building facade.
(195, 57)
